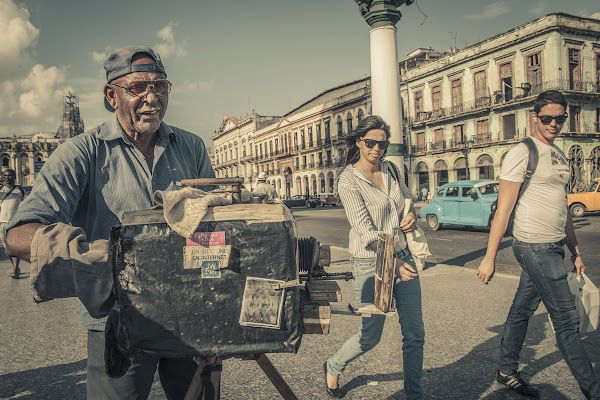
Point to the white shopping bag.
(587, 301)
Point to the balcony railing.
(469, 106)
(434, 146)
(481, 138)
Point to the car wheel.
(322, 204)
(577, 210)
(313, 205)
(433, 223)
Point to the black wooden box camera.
(211, 295)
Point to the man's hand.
(579, 265)
(408, 223)
(405, 271)
(486, 269)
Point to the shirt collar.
(112, 130)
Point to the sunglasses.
(546, 119)
(370, 143)
(161, 87)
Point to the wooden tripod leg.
(275, 377)
(215, 378)
(197, 386)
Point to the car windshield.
(593, 187)
(490, 188)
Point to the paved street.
(43, 354)
(452, 244)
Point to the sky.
(224, 57)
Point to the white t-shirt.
(10, 204)
(541, 213)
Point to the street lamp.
(465, 148)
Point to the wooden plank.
(275, 377)
(384, 273)
(319, 310)
(358, 309)
(324, 291)
(316, 326)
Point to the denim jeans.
(175, 375)
(408, 305)
(544, 278)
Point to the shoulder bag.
(416, 240)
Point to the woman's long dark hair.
(366, 125)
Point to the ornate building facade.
(301, 152)
(26, 155)
(463, 111)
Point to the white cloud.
(167, 46)
(492, 10)
(595, 15)
(31, 104)
(539, 8)
(18, 35)
(194, 86)
(99, 56)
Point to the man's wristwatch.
(575, 255)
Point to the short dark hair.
(366, 125)
(11, 170)
(549, 97)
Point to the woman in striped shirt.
(373, 197)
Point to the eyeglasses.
(546, 119)
(161, 87)
(370, 143)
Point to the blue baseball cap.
(119, 64)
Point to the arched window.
(360, 115)
(349, 123)
(340, 126)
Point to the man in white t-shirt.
(11, 196)
(542, 226)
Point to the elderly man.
(92, 179)
(264, 188)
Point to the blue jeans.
(544, 278)
(408, 305)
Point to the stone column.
(382, 16)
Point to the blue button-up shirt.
(95, 177)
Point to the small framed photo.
(262, 305)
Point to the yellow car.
(588, 201)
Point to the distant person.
(11, 195)
(373, 195)
(542, 226)
(424, 193)
(89, 182)
(264, 188)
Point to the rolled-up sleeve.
(356, 211)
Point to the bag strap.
(8, 194)
(532, 162)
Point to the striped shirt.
(371, 211)
(95, 177)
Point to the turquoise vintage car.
(461, 203)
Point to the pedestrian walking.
(90, 181)
(542, 226)
(11, 196)
(372, 198)
(264, 188)
(424, 193)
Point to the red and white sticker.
(206, 239)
